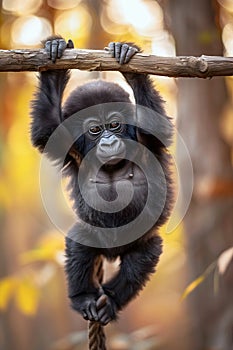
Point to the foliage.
(25, 286)
(222, 264)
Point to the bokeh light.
(74, 24)
(146, 17)
(63, 5)
(163, 44)
(30, 30)
(227, 35)
(21, 7)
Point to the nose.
(108, 141)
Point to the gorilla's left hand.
(123, 52)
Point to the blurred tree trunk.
(209, 221)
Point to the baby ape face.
(107, 131)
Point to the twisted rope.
(96, 336)
(96, 333)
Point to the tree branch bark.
(100, 60)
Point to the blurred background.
(188, 303)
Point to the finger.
(93, 311)
(102, 312)
(85, 315)
(70, 44)
(124, 50)
(111, 47)
(48, 48)
(61, 48)
(54, 50)
(105, 320)
(89, 314)
(130, 53)
(101, 301)
(118, 51)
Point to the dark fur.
(139, 258)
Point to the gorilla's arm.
(137, 263)
(83, 293)
(46, 107)
(159, 128)
(144, 92)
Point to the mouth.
(112, 159)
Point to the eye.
(115, 126)
(95, 130)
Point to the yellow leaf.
(41, 254)
(7, 288)
(192, 286)
(224, 260)
(27, 297)
(47, 250)
(198, 280)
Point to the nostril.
(113, 142)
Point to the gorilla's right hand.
(55, 46)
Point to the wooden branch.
(97, 60)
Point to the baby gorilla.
(105, 130)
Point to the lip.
(114, 159)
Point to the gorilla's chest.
(111, 192)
